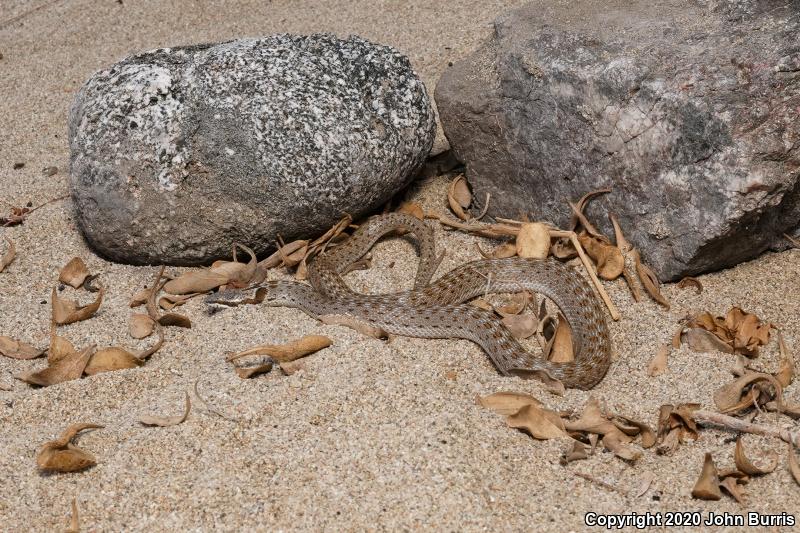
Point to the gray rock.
(178, 153)
(687, 109)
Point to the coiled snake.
(438, 310)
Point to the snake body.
(438, 310)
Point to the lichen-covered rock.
(689, 111)
(178, 153)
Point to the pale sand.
(372, 435)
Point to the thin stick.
(48, 202)
(587, 264)
(792, 240)
(735, 424)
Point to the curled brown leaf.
(649, 279)
(413, 209)
(533, 241)
(521, 326)
(141, 326)
(68, 311)
(738, 394)
(576, 453)
(174, 319)
(61, 455)
(67, 368)
(74, 273)
(608, 258)
(559, 348)
(538, 422)
(507, 403)
(658, 365)
(110, 360)
(707, 485)
(459, 196)
(17, 349)
(689, 281)
(283, 353)
(746, 466)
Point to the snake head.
(234, 297)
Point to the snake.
(440, 309)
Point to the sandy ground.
(372, 435)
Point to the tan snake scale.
(438, 310)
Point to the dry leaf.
(59, 348)
(563, 249)
(293, 253)
(141, 326)
(608, 258)
(617, 442)
(507, 403)
(283, 353)
(18, 349)
(196, 281)
(736, 395)
(140, 298)
(521, 326)
(632, 427)
(533, 241)
(591, 420)
(9, 255)
(704, 341)
(649, 279)
(174, 319)
(62, 456)
(250, 371)
(675, 425)
(459, 196)
(732, 487)
(164, 421)
(111, 359)
(68, 311)
(619, 237)
(65, 369)
(74, 273)
(746, 466)
(689, 281)
(576, 453)
(707, 485)
(659, 363)
(515, 305)
(539, 423)
(578, 218)
(238, 273)
(560, 349)
(740, 331)
(413, 209)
